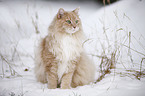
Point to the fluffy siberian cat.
(60, 60)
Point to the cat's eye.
(76, 21)
(68, 21)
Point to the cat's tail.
(39, 68)
(84, 73)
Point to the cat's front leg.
(66, 80)
(52, 78)
(52, 81)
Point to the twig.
(129, 52)
(9, 64)
(3, 69)
(141, 64)
(85, 42)
(35, 23)
(134, 50)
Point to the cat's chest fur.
(68, 49)
(65, 48)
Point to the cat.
(60, 59)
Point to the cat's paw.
(65, 87)
(50, 86)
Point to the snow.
(107, 29)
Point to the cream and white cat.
(60, 58)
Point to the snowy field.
(114, 33)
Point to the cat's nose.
(74, 26)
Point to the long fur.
(60, 58)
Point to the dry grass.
(106, 65)
(35, 23)
(112, 53)
(12, 70)
(133, 74)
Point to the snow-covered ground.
(118, 28)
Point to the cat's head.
(69, 21)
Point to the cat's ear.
(76, 10)
(60, 13)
